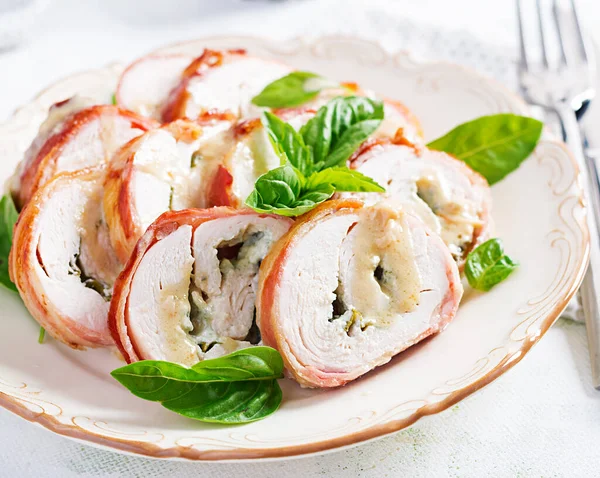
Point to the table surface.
(540, 419)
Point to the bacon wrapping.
(169, 168)
(348, 287)
(188, 290)
(61, 260)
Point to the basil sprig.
(287, 192)
(238, 388)
(494, 146)
(314, 159)
(8, 218)
(294, 89)
(339, 128)
(488, 265)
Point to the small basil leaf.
(494, 146)
(343, 179)
(352, 138)
(323, 132)
(304, 202)
(281, 185)
(294, 89)
(287, 211)
(259, 361)
(237, 388)
(8, 218)
(316, 196)
(288, 143)
(487, 265)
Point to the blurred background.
(44, 40)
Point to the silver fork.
(563, 84)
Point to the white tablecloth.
(541, 419)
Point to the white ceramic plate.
(538, 212)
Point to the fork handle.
(590, 287)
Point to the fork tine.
(523, 64)
(559, 32)
(585, 50)
(541, 33)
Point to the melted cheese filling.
(193, 293)
(439, 194)
(378, 277)
(171, 172)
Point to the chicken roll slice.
(188, 290)
(145, 84)
(221, 81)
(61, 260)
(165, 169)
(249, 155)
(349, 287)
(74, 138)
(451, 198)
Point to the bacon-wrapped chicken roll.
(221, 81)
(73, 137)
(169, 168)
(188, 290)
(349, 287)
(451, 198)
(61, 259)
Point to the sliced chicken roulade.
(72, 138)
(251, 153)
(221, 81)
(145, 84)
(451, 198)
(349, 287)
(61, 259)
(188, 290)
(169, 168)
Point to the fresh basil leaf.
(314, 197)
(288, 211)
(260, 362)
(8, 218)
(343, 179)
(487, 265)
(282, 191)
(332, 135)
(280, 185)
(305, 202)
(352, 138)
(294, 89)
(494, 146)
(227, 403)
(335, 128)
(113, 99)
(237, 388)
(288, 143)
